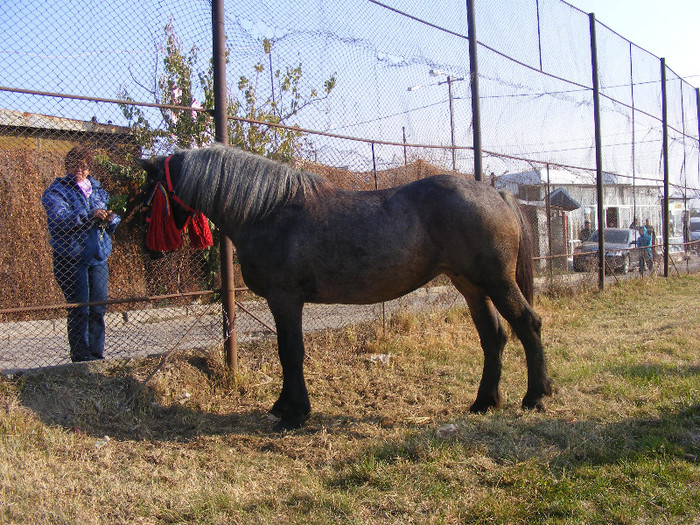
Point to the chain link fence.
(370, 94)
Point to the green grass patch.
(389, 442)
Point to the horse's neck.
(210, 200)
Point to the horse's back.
(466, 208)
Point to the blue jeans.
(83, 283)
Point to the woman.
(80, 226)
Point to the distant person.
(645, 255)
(586, 232)
(80, 226)
(635, 224)
(652, 233)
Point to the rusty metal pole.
(376, 187)
(548, 207)
(228, 298)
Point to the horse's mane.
(243, 187)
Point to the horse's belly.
(355, 296)
(368, 286)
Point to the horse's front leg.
(293, 406)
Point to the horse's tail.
(524, 268)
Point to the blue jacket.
(72, 230)
(642, 241)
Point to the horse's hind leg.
(527, 326)
(293, 406)
(493, 339)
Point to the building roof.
(560, 198)
(562, 177)
(10, 118)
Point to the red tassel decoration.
(199, 232)
(162, 235)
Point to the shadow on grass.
(647, 372)
(511, 439)
(93, 399)
(98, 400)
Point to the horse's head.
(155, 168)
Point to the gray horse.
(300, 239)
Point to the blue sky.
(93, 49)
(669, 29)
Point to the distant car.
(695, 233)
(620, 252)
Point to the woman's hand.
(103, 215)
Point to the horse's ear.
(145, 164)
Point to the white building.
(623, 200)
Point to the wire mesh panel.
(77, 283)
(368, 93)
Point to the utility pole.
(452, 122)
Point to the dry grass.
(619, 443)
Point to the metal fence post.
(548, 207)
(697, 109)
(634, 140)
(664, 206)
(598, 154)
(376, 187)
(452, 122)
(228, 298)
(474, 83)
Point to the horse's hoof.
(536, 405)
(285, 405)
(286, 417)
(277, 410)
(481, 406)
(286, 424)
(533, 403)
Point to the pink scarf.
(86, 187)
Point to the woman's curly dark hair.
(77, 157)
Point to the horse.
(300, 239)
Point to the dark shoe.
(84, 359)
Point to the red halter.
(162, 234)
(169, 184)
